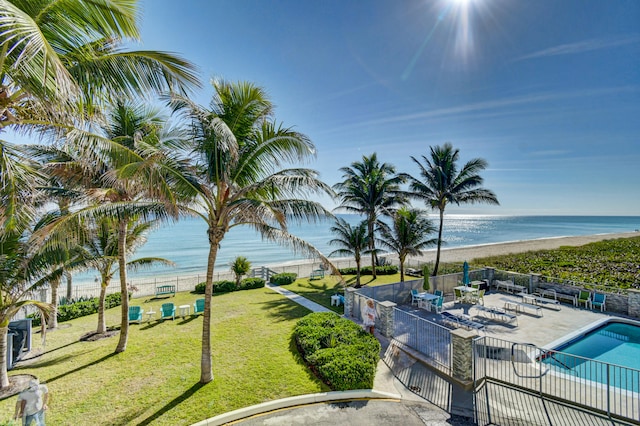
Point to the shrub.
(283, 278)
(249, 283)
(366, 270)
(81, 309)
(342, 354)
(224, 286)
(200, 288)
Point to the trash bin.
(22, 337)
(10, 336)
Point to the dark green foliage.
(227, 286)
(366, 270)
(283, 278)
(342, 354)
(611, 263)
(82, 308)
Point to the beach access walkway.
(389, 403)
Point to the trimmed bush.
(249, 283)
(283, 278)
(342, 354)
(200, 288)
(81, 309)
(224, 286)
(366, 270)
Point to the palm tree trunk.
(358, 272)
(102, 322)
(69, 278)
(372, 246)
(435, 268)
(4, 376)
(122, 264)
(401, 270)
(206, 367)
(54, 303)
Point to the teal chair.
(438, 292)
(198, 306)
(168, 310)
(436, 304)
(599, 301)
(135, 314)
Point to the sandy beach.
(460, 254)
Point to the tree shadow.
(188, 319)
(283, 309)
(82, 367)
(150, 325)
(172, 404)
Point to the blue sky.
(547, 91)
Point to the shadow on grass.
(149, 324)
(188, 319)
(172, 404)
(30, 365)
(284, 309)
(75, 370)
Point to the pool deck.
(554, 325)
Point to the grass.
(155, 381)
(320, 290)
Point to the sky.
(546, 91)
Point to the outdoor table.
(466, 291)
(150, 314)
(426, 299)
(184, 310)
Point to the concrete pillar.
(489, 274)
(462, 352)
(634, 302)
(349, 294)
(385, 318)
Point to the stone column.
(634, 302)
(489, 274)
(385, 318)
(462, 352)
(349, 294)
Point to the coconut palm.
(240, 266)
(22, 268)
(408, 234)
(370, 188)
(353, 241)
(238, 177)
(441, 183)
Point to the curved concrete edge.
(295, 401)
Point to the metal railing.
(427, 337)
(582, 382)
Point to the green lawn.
(320, 290)
(155, 381)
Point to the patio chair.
(198, 306)
(479, 298)
(584, 297)
(436, 304)
(168, 310)
(438, 293)
(135, 314)
(457, 295)
(598, 301)
(415, 297)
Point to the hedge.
(342, 354)
(366, 270)
(283, 278)
(81, 309)
(226, 286)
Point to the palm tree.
(101, 253)
(370, 188)
(441, 184)
(408, 235)
(353, 240)
(22, 268)
(237, 177)
(240, 266)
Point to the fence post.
(386, 318)
(462, 352)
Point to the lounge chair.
(599, 301)
(135, 314)
(168, 310)
(198, 306)
(584, 297)
(436, 304)
(458, 321)
(415, 297)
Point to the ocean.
(185, 242)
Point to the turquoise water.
(614, 343)
(185, 242)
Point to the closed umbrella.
(465, 273)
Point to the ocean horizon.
(185, 242)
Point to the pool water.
(614, 343)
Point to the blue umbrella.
(465, 273)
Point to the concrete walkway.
(388, 403)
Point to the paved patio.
(555, 323)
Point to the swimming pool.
(609, 353)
